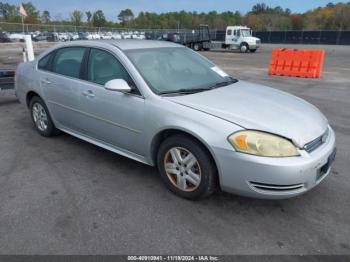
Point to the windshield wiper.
(197, 90)
(185, 91)
(224, 83)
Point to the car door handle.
(89, 94)
(45, 81)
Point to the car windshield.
(177, 70)
(246, 32)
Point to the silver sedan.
(167, 106)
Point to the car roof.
(124, 44)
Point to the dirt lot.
(65, 196)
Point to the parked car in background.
(95, 36)
(139, 36)
(44, 36)
(116, 36)
(50, 37)
(106, 36)
(73, 36)
(126, 35)
(34, 34)
(4, 37)
(16, 36)
(83, 36)
(165, 105)
(171, 37)
(63, 37)
(151, 35)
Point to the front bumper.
(274, 178)
(254, 46)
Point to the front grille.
(314, 144)
(276, 188)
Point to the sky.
(111, 8)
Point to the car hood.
(251, 39)
(258, 107)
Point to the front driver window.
(104, 67)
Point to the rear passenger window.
(68, 61)
(44, 62)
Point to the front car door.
(228, 37)
(111, 117)
(60, 85)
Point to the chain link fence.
(289, 37)
(62, 28)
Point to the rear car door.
(60, 85)
(112, 117)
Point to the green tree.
(333, 16)
(8, 12)
(45, 17)
(125, 16)
(88, 16)
(259, 8)
(76, 17)
(99, 19)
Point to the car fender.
(210, 130)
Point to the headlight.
(262, 144)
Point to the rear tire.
(41, 117)
(196, 47)
(186, 167)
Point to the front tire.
(243, 48)
(41, 117)
(186, 167)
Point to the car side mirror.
(118, 85)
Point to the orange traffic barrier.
(299, 63)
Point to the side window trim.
(51, 60)
(83, 75)
(49, 63)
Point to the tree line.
(260, 18)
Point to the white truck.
(240, 38)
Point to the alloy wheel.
(182, 169)
(39, 116)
